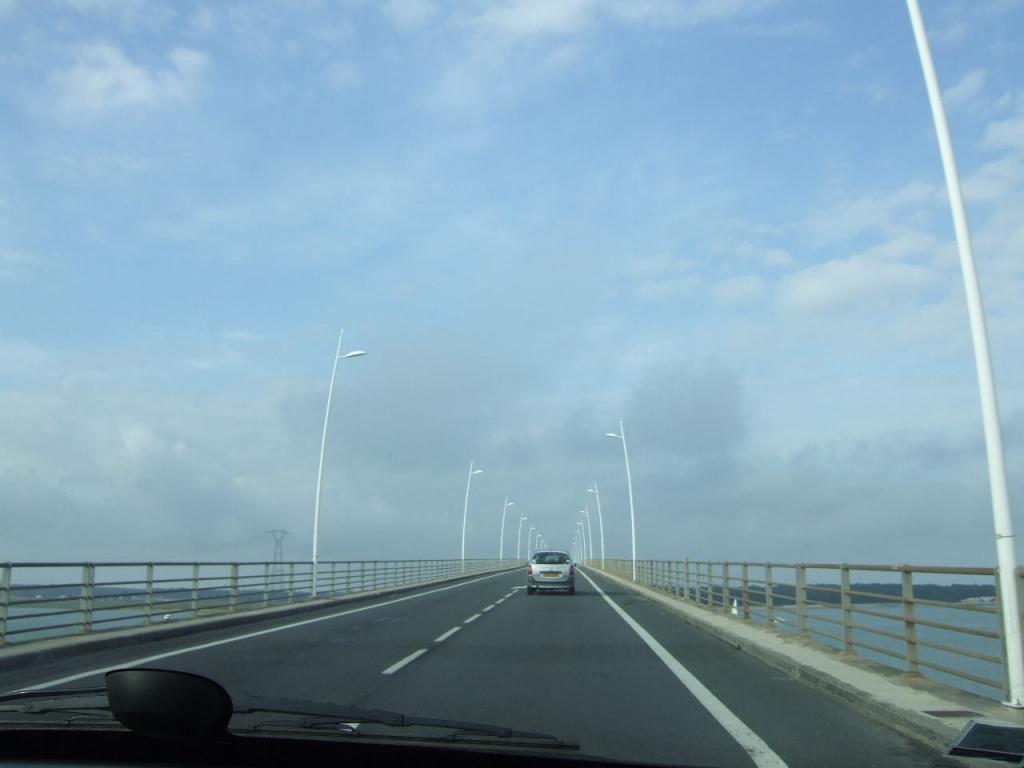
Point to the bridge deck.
(571, 666)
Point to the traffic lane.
(329, 657)
(568, 666)
(802, 725)
(342, 659)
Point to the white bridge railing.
(46, 600)
(891, 614)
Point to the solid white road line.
(399, 664)
(472, 618)
(447, 634)
(203, 646)
(752, 744)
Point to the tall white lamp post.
(323, 448)
(621, 435)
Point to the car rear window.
(551, 558)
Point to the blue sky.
(723, 222)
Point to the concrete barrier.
(54, 649)
(921, 709)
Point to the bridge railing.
(46, 600)
(887, 613)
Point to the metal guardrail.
(959, 643)
(45, 600)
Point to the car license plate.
(552, 574)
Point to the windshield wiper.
(318, 716)
(309, 716)
(39, 701)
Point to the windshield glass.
(551, 558)
(326, 327)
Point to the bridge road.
(571, 666)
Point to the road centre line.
(752, 744)
(399, 664)
(472, 618)
(447, 634)
(203, 646)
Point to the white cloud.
(859, 58)
(879, 92)
(689, 13)
(966, 90)
(993, 182)
(240, 336)
(508, 45)
(665, 288)
(658, 264)
(844, 283)
(952, 33)
(661, 276)
(794, 28)
(410, 14)
(873, 212)
(778, 258)
(342, 74)
(903, 246)
(19, 264)
(1005, 134)
(130, 14)
(561, 57)
(735, 290)
(21, 357)
(518, 19)
(103, 78)
(202, 21)
(528, 18)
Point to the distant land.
(784, 594)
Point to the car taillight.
(572, 571)
(529, 570)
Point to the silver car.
(551, 571)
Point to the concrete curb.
(783, 653)
(15, 657)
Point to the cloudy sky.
(723, 221)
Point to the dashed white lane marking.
(499, 602)
(751, 743)
(447, 634)
(472, 618)
(489, 607)
(399, 664)
(141, 662)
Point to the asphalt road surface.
(606, 668)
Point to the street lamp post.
(583, 538)
(519, 536)
(590, 531)
(1003, 522)
(629, 484)
(465, 510)
(501, 539)
(323, 448)
(529, 538)
(600, 517)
